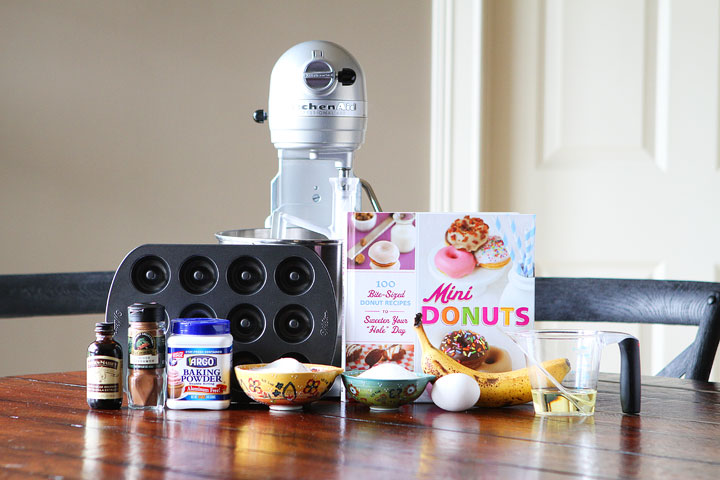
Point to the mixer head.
(317, 102)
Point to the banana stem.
(422, 336)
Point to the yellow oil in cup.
(549, 401)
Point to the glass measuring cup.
(575, 394)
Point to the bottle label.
(104, 377)
(146, 351)
(199, 373)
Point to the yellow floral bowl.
(286, 391)
(383, 395)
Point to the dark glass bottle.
(104, 369)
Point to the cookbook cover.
(471, 275)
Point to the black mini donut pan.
(279, 298)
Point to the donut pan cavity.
(279, 298)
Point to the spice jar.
(104, 369)
(146, 356)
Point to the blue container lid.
(200, 326)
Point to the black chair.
(665, 302)
(49, 294)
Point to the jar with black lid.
(104, 369)
(146, 356)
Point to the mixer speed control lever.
(346, 76)
(260, 116)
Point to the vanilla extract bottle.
(104, 369)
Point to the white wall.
(124, 123)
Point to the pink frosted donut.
(454, 263)
(384, 254)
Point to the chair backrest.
(48, 294)
(666, 302)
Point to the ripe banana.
(496, 389)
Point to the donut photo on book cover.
(381, 241)
(360, 356)
(469, 247)
(468, 251)
(472, 350)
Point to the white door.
(602, 118)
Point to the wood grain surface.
(47, 430)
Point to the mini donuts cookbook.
(471, 275)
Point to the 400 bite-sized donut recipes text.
(465, 277)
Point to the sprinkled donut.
(467, 233)
(465, 347)
(454, 263)
(493, 254)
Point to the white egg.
(455, 392)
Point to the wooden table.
(46, 429)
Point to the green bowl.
(384, 394)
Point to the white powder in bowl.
(388, 371)
(283, 365)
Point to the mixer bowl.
(260, 236)
(329, 251)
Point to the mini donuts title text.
(450, 315)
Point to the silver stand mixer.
(317, 115)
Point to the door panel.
(602, 118)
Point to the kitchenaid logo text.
(328, 108)
(451, 315)
(350, 107)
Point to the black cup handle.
(630, 375)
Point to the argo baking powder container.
(199, 364)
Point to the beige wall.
(124, 123)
